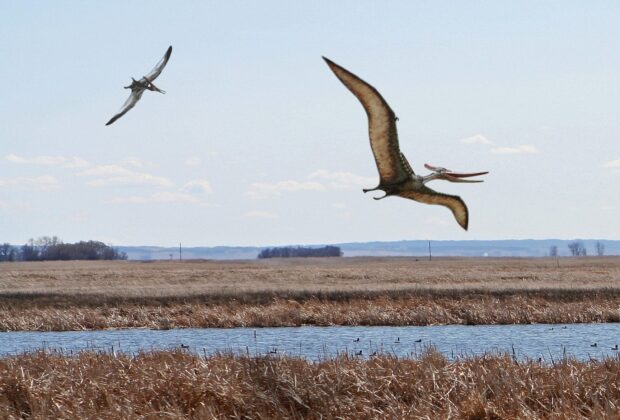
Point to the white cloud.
(613, 164)
(339, 180)
(261, 214)
(328, 181)
(523, 149)
(158, 197)
(118, 175)
(14, 205)
(129, 199)
(264, 190)
(173, 197)
(477, 139)
(134, 179)
(197, 186)
(193, 161)
(65, 162)
(44, 182)
(105, 170)
(76, 162)
(135, 162)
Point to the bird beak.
(459, 177)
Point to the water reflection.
(546, 342)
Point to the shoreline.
(378, 311)
(73, 296)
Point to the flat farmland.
(80, 295)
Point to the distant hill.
(499, 248)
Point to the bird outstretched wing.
(391, 163)
(425, 195)
(152, 75)
(134, 97)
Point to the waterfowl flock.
(396, 176)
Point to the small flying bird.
(139, 86)
(396, 175)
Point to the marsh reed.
(176, 384)
(347, 291)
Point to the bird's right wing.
(454, 203)
(134, 97)
(391, 163)
(152, 75)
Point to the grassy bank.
(345, 291)
(180, 385)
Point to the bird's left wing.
(391, 163)
(454, 203)
(152, 75)
(134, 97)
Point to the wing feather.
(134, 97)
(391, 163)
(425, 195)
(152, 75)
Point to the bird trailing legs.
(152, 87)
(377, 188)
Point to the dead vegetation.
(176, 384)
(348, 291)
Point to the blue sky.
(256, 142)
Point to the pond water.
(549, 342)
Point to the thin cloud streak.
(523, 149)
(65, 162)
(477, 139)
(263, 190)
(338, 180)
(119, 175)
(612, 164)
(158, 197)
(319, 180)
(43, 182)
(257, 214)
(192, 161)
(198, 186)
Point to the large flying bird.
(396, 175)
(139, 86)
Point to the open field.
(176, 384)
(342, 291)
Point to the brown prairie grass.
(176, 384)
(336, 291)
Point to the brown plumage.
(396, 175)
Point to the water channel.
(547, 342)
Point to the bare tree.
(577, 249)
(553, 251)
(7, 252)
(600, 249)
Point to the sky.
(257, 143)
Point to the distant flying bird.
(396, 175)
(139, 86)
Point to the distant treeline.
(51, 249)
(290, 252)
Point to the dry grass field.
(330, 291)
(176, 385)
